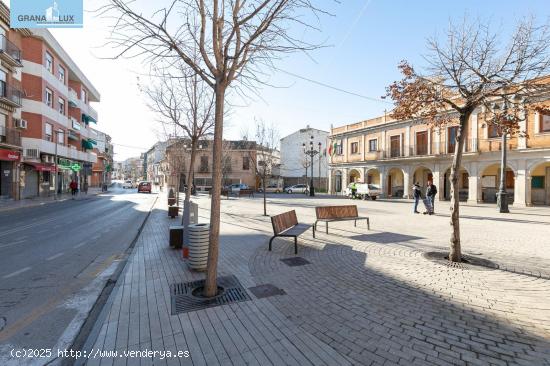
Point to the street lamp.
(56, 175)
(311, 153)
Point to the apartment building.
(10, 105)
(395, 154)
(237, 164)
(57, 113)
(102, 169)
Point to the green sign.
(69, 165)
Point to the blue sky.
(366, 38)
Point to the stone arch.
(373, 176)
(539, 173)
(422, 174)
(355, 176)
(463, 183)
(395, 180)
(490, 181)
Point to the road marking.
(79, 245)
(54, 256)
(17, 272)
(12, 243)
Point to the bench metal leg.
(313, 227)
(295, 245)
(355, 223)
(270, 240)
(326, 226)
(368, 224)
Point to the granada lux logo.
(51, 15)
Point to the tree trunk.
(265, 200)
(455, 254)
(186, 205)
(211, 287)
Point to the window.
(465, 180)
(545, 123)
(451, 139)
(61, 74)
(49, 97)
(509, 179)
(48, 132)
(373, 145)
(203, 168)
(61, 137)
(492, 131)
(61, 105)
(84, 95)
(49, 62)
(246, 163)
(355, 148)
(537, 182)
(395, 146)
(340, 149)
(422, 143)
(46, 177)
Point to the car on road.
(297, 188)
(364, 191)
(272, 188)
(144, 187)
(236, 187)
(128, 184)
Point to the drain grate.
(183, 300)
(295, 261)
(266, 290)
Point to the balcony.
(73, 98)
(92, 113)
(9, 52)
(10, 95)
(10, 136)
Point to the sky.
(364, 41)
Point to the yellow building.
(395, 154)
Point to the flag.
(330, 150)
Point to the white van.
(364, 191)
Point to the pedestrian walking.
(431, 191)
(417, 195)
(74, 187)
(353, 190)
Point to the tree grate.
(295, 261)
(183, 300)
(266, 290)
(468, 262)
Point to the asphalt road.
(55, 258)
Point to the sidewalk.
(6, 205)
(361, 299)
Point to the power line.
(333, 87)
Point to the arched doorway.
(395, 183)
(373, 177)
(337, 181)
(354, 176)
(422, 176)
(463, 184)
(490, 183)
(540, 184)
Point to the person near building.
(431, 191)
(417, 195)
(353, 190)
(74, 187)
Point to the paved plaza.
(365, 298)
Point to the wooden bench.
(286, 225)
(246, 192)
(338, 213)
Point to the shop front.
(9, 161)
(69, 170)
(37, 180)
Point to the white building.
(294, 162)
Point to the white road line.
(12, 243)
(79, 245)
(17, 272)
(54, 256)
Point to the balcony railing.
(10, 136)
(10, 94)
(435, 148)
(10, 49)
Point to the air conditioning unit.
(32, 153)
(21, 123)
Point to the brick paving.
(366, 298)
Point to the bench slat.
(336, 212)
(283, 221)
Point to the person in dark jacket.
(417, 195)
(431, 191)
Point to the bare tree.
(265, 155)
(468, 72)
(234, 38)
(185, 104)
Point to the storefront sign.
(69, 165)
(46, 14)
(42, 167)
(9, 155)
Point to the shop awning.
(42, 167)
(9, 155)
(87, 119)
(87, 144)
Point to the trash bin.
(198, 246)
(173, 211)
(176, 236)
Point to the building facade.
(395, 154)
(57, 139)
(102, 169)
(11, 151)
(294, 162)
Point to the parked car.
(128, 184)
(144, 187)
(237, 187)
(297, 188)
(272, 188)
(364, 191)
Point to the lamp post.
(502, 195)
(311, 153)
(56, 175)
